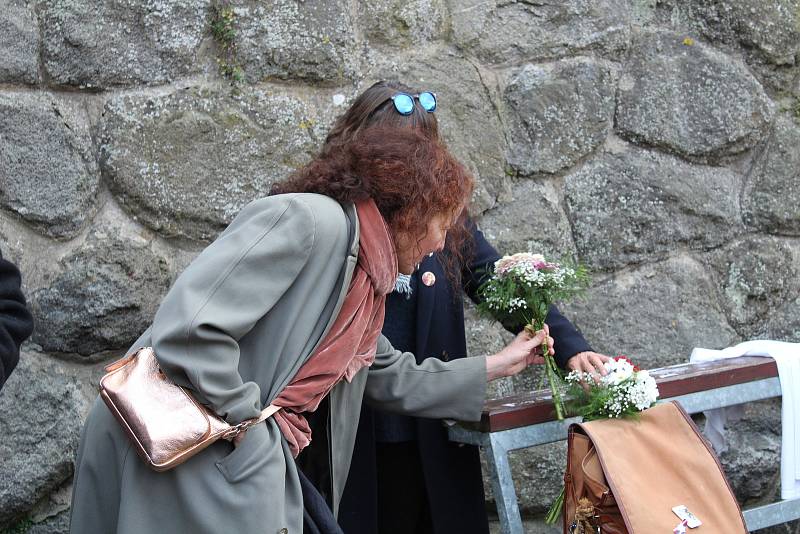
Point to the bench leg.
(503, 487)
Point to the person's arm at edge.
(16, 321)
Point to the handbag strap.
(266, 413)
(237, 429)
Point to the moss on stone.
(223, 28)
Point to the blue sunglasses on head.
(404, 103)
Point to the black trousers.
(402, 498)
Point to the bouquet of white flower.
(624, 392)
(520, 292)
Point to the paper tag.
(683, 513)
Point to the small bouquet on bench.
(624, 392)
(520, 292)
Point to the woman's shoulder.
(308, 212)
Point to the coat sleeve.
(16, 322)
(568, 340)
(435, 389)
(223, 293)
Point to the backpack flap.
(651, 465)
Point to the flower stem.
(555, 379)
(555, 509)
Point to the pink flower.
(507, 263)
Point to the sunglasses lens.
(428, 101)
(404, 104)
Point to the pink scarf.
(352, 340)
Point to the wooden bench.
(526, 420)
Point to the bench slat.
(536, 406)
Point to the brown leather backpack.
(625, 476)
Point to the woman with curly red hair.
(285, 308)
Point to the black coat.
(452, 472)
(16, 323)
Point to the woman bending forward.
(285, 307)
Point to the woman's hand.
(588, 362)
(519, 354)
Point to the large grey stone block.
(681, 95)
(51, 513)
(771, 199)
(628, 206)
(19, 43)
(765, 34)
(402, 23)
(502, 32)
(48, 170)
(312, 41)
(57, 524)
(185, 163)
(103, 297)
(783, 323)
(41, 409)
(558, 113)
(655, 314)
(772, 27)
(532, 220)
(122, 43)
(752, 460)
(758, 276)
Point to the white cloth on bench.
(787, 358)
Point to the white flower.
(577, 376)
(626, 390)
(618, 372)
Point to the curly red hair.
(374, 107)
(410, 177)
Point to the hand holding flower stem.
(520, 292)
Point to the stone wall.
(655, 140)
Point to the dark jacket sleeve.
(16, 323)
(479, 267)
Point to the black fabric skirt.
(317, 515)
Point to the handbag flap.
(151, 408)
(658, 462)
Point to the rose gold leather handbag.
(626, 476)
(166, 424)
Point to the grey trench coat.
(234, 328)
